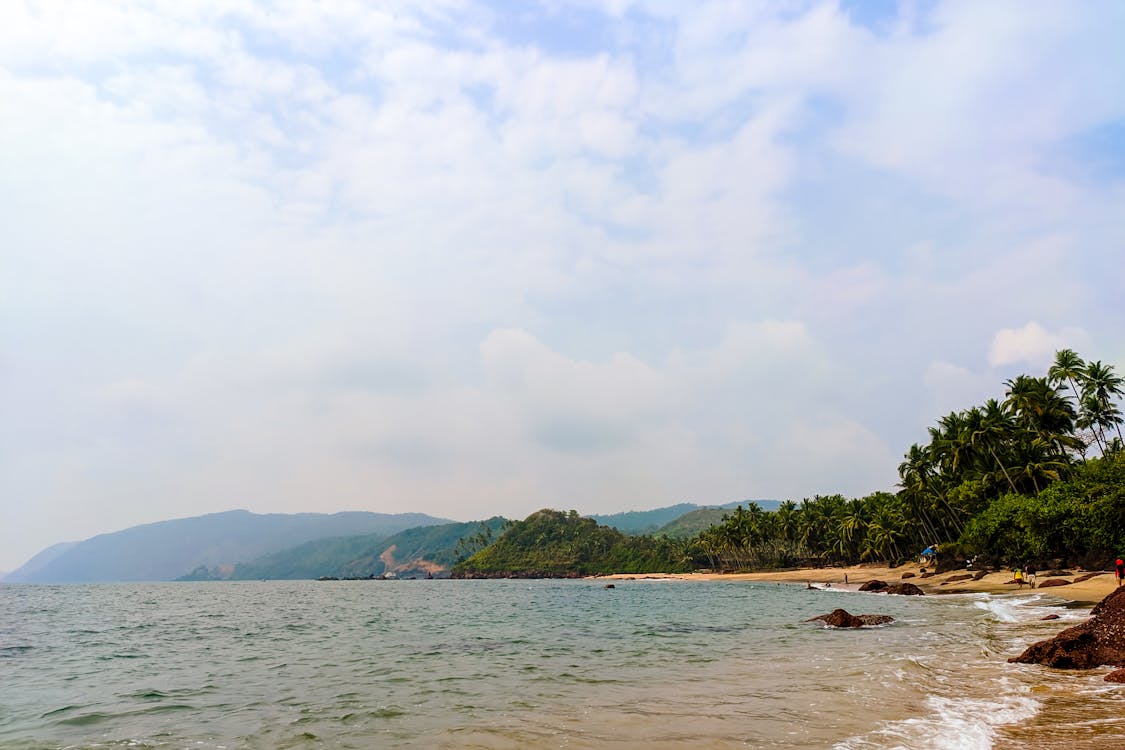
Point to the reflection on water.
(495, 664)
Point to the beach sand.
(1000, 582)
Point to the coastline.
(1088, 592)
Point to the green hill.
(693, 522)
(550, 543)
(419, 551)
(653, 521)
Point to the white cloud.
(1032, 344)
(316, 257)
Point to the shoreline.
(1085, 593)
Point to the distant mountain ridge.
(165, 550)
(418, 551)
(653, 521)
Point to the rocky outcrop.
(1088, 576)
(962, 577)
(1117, 675)
(907, 575)
(882, 587)
(1050, 617)
(979, 575)
(1052, 582)
(840, 618)
(1096, 642)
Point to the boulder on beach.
(1050, 617)
(841, 618)
(874, 586)
(907, 575)
(1051, 582)
(1088, 576)
(952, 579)
(905, 589)
(1117, 675)
(1098, 641)
(979, 575)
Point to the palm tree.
(1100, 382)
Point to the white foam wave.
(1011, 609)
(950, 724)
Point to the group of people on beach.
(1026, 574)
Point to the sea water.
(533, 664)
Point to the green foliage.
(693, 522)
(437, 546)
(553, 543)
(1085, 515)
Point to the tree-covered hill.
(656, 520)
(419, 551)
(552, 543)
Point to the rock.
(979, 575)
(1050, 617)
(1117, 675)
(962, 577)
(1058, 573)
(609, 586)
(1088, 576)
(841, 618)
(873, 586)
(1051, 582)
(905, 589)
(927, 575)
(907, 575)
(1096, 642)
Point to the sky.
(483, 258)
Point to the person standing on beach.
(1019, 578)
(1120, 570)
(1029, 574)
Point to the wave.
(1017, 609)
(950, 724)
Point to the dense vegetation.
(416, 551)
(553, 543)
(1036, 475)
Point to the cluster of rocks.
(532, 574)
(841, 618)
(1100, 641)
(882, 587)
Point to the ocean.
(533, 664)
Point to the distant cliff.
(166, 550)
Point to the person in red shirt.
(1120, 571)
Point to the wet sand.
(1090, 591)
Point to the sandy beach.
(1089, 591)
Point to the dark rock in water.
(952, 579)
(1117, 675)
(840, 618)
(1050, 617)
(609, 586)
(1096, 642)
(1051, 582)
(873, 586)
(905, 589)
(907, 575)
(979, 575)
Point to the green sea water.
(531, 664)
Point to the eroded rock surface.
(1098, 641)
(841, 618)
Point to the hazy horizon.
(471, 259)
